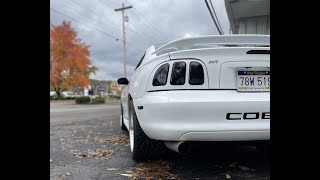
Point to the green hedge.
(55, 97)
(69, 98)
(114, 97)
(98, 100)
(83, 100)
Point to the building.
(249, 16)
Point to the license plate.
(253, 80)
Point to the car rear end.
(228, 100)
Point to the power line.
(154, 37)
(124, 20)
(151, 43)
(93, 28)
(132, 23)
(214, 20)
(112, 4)
(145, 37)
(214, 12)
(148, 24)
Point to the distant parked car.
(52, 93)
(94, 96)
(66, 94)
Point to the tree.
(70, 65)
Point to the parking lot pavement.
(87, 143)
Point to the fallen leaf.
(100, 153)
(68, 174)
(112, 169)
(79, 154)
(232, 165)
(154, 170)
(244, 168)
(128, 175)
(227, 173)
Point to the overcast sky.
(150, 22)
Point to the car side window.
(178, 74)
(140, 61)
(161, 75)
(196, 76)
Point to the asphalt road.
(87, 143)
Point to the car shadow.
(221, 160)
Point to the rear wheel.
(142, 147)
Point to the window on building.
(140, 61)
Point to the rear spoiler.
(222, 40)
(258, 52)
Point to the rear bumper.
(226, 136)
(200, 115)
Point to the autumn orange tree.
(70, 65)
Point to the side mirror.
(123, 81)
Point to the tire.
(122, 126)
(142, 147)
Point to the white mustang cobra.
(210, 88)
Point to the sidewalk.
(72, 103)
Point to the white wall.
(254, 25)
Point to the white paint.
(198, 112)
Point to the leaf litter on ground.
(153, 170)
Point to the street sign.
(102, 89)
(114, 85)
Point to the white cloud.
(150, 22)
(189, 34)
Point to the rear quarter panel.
(141, 76)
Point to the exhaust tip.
(179, 146)
(183, 148)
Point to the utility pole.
(124, 19)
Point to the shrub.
(70, 98)
(55, 97)
(98, 100)
(114, 97)
(83, 100)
